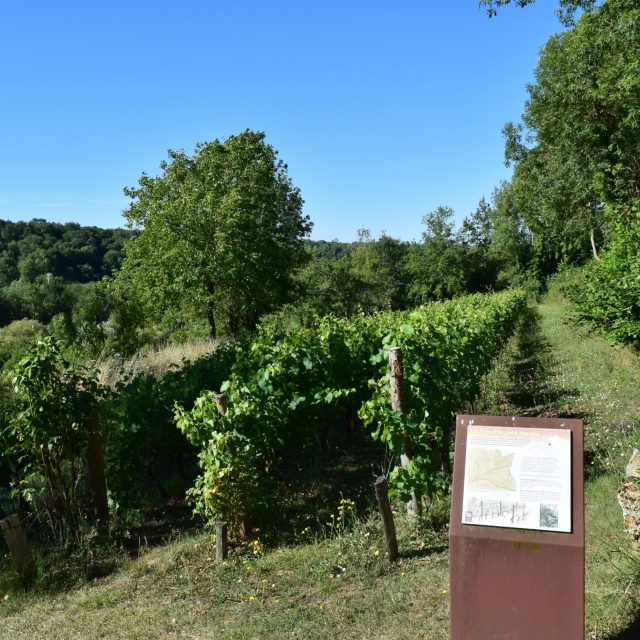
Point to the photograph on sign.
(518, 477)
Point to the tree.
(565, 11)
(437, 266)
(577, 148)
(222, 231)
(381, 264)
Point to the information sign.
(516, 533)
(518, 478)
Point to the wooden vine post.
(221, 542)
(223, 407)
(18, 548)
(398, 404)
(95, 463)
(388, 525)
(221, 403)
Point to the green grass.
(335, 581)
(340, 585)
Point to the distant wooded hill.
(69, 251)
(45, 267)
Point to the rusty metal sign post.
(516, 534)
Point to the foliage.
(222, 231)
(608, 294)
(332, 286)
(143, 442)
(95, 322)
(38, 259)
(577, 145)
(285, 390)
(437, 265)
(370, 276)
(48, 435)
(565, 11)
(15, 339)
(447, 348)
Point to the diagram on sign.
(518, 477)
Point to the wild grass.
(337, 585)
(152, 360)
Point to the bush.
(607, 293)
(48, 436)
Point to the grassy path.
(339, 585)
(555, 368)
(601, 383)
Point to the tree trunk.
(95, 460)
(212, 321)
(593, 246)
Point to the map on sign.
(518, 477)
(490, 469)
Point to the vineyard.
(283, 396)
(326, 572)
(288, 391)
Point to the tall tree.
(221, 230)
(579, 145)
(437, 266)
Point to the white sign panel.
(518, 477)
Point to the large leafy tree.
(437, 265)
(578, 146)
(221, 231)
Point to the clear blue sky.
(383, 111)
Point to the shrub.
(609, 296)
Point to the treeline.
(215, 256)
(53, 278)
(575, 152)
(45, 267)
(489, 251)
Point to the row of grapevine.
(287, 388)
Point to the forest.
(294, 372)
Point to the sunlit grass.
(152, 361)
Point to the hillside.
(332, 580)
(42, 265)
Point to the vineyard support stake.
(221, 542)
(19, 548)
(396, 370)
(388, 525)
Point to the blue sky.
(383, 111)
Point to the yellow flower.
(252, 597)
(376, 553)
